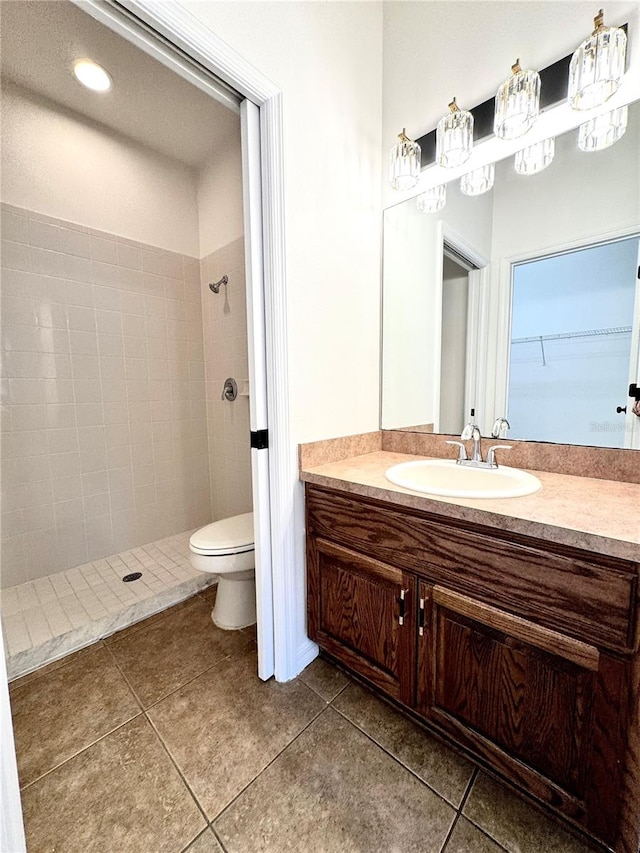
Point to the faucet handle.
(491, 454)
(462, 452)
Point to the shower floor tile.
(48, 618)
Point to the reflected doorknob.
(621, 409)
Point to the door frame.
(182, 31)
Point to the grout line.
(467, 793)
(458, 814)
(125, 679)
(217, 835)
(186, 683)
(178, 771)
(84, 749)
(397, 760)
(266, 767)
(317, 692)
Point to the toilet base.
(235, 605)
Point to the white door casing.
(258, 410)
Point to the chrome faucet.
(472, 431)
(500, 428)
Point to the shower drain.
(134, 576)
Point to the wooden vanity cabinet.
(550, 709)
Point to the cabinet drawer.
(587, 596)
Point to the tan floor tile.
(251, 631)
(324, 678)
(209, 594)
(66, 709)
(205, 843)
(467, 838)
(515, 823)
(173, 650)
(50, 667)
(223, 728)
(334, 791)
(150, 620)
(442, 768)
(122, 795)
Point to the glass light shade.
(479, 181)
(404, 163)
(517, 103)
(535, 158)
(454, 137)
(597, 66)
(603, 131)
(92, 75)
(433, 200)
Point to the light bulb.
(92, 75)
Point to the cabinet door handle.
(421, 618)
(401, 602)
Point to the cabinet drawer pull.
(401, 603)
(421, 618)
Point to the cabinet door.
(363, 612)
(545, 709)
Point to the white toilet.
(226, 548)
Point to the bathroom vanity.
(514, 638)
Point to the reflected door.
(573, 340)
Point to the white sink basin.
(446, 478)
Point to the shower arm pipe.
(215, 286)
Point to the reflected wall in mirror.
(523, 302)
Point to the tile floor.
(161, 739)
(48, 618)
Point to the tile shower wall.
(104, 417)
(226, 355)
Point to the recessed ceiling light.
(92, 75)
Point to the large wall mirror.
(523, 302)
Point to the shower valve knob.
(230, 390)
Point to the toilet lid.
(228, 536)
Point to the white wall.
(53, 161)
(327, 59)
(412, 300)
(435, 50)
(220, 197)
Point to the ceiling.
(148, 103)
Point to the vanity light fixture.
(432, 200)
(517, 103)
(535, 158)
(404, 163)
(597, 66)
(479, 181)
(454, 137)
(602, 131)
(91, 75)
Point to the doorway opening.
(456, 345)
(574, 351)
(141, 206)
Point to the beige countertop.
(602, 516)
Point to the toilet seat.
(228, 536)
